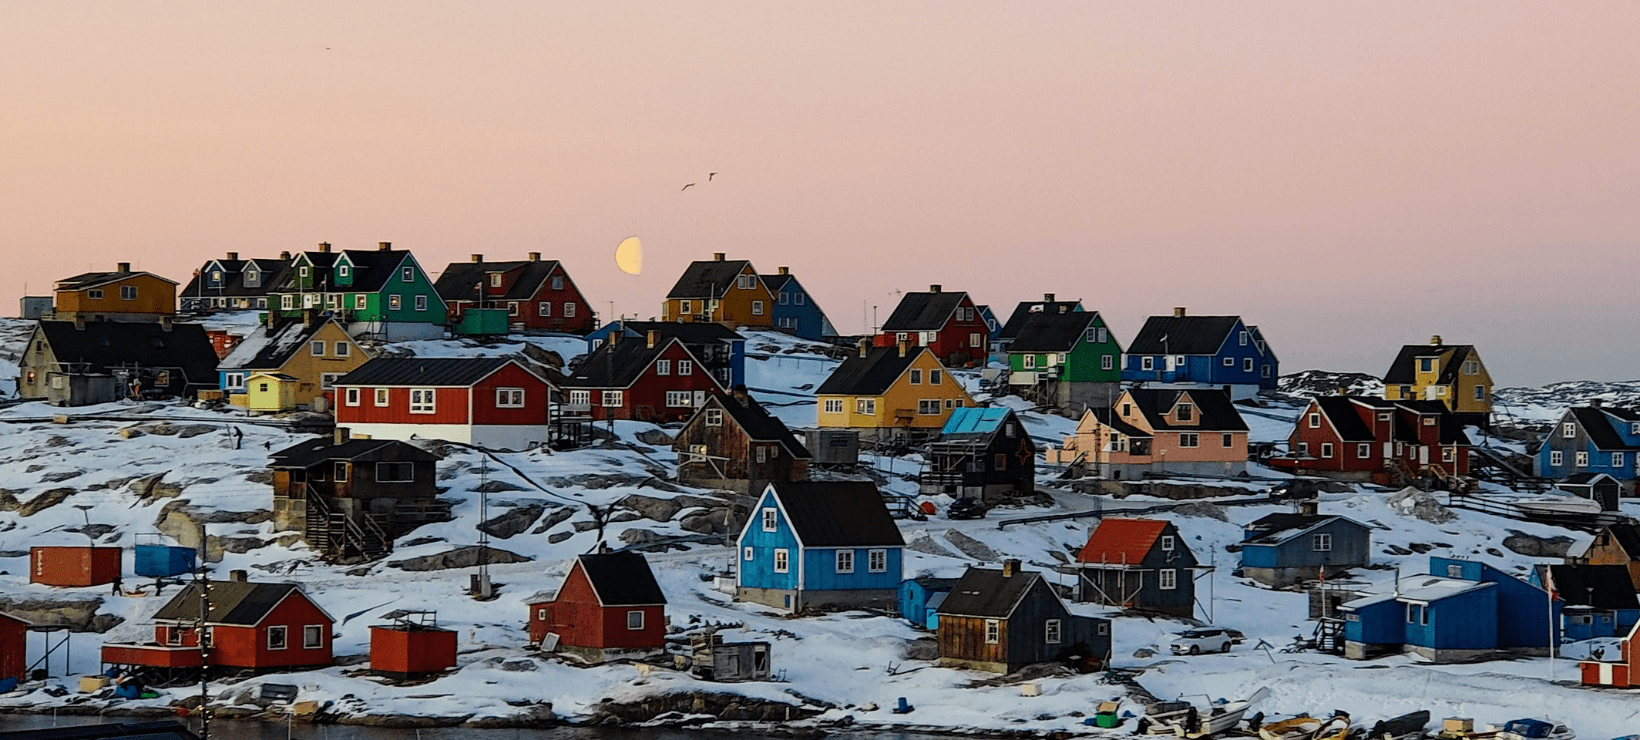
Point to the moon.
(629, 255)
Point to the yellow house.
(728, 292)
(1450, 373)
(890, 391)
(121, 295)
(314, 353)
(270, 392)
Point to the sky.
(1349, 177)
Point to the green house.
(1067, 360)
(382, 292)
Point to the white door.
(700, 399)
(1423, 454)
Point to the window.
(1582, 459)
(381, 396)
(317, 348)
(1185, 412)
(422, 400)
(1168, 543)
(1147, 363)
(557, 282)
(408, 275)
(495, 279)
(686, 367)
(569, 310)
(1449, 454)
(1321, 542)
(234, 380)
(976, 339)
(865, 406)
(1303, 448)
(395, 302)
(1229, 362)
(1326, 450)
(1556, 457)
(544, 308)
(1050, 632)
(287, 303)
(634, 620)
(1634, 428)
(512, 306)
(1107, 362)
(1454, 571)
(263, 387)
(313, 637)
(834, 405)
(1426, 364)
(797, 298)
(580, 398)
(714, 417)
(612, 399)
(343, 271)
(343, 349)
(771, 517)
(1568, 430)
(1228, 440)
(877, 561)
(744, 282)
(509, 398)
(762, 454)
(1472, 367)
(663, 367)
(1363, 451)
(757, 308)
(1617, 459)
(327, 381)
(747, 553)
(993, 631)
(395, 472)
(1189, 439)
(128, 292)
(928, 407)
(935, 377)
(276, 638)
(1167, 579)
(333, 300)
(353, 397)
(1028, 362)
(916, 376)
(1264, 371)
(845, 561)
(782, 560)
(1480, 393)
(679, 399)
(685, 306)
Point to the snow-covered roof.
(1420, 590)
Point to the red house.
(492, 402)
(948, 324)
(646, 379)
(412, 646)
(536, 293)
(610, 607)
(1386, 442)
(255, 626)
(13, 647)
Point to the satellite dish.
(629, 256)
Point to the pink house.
(1159, 431)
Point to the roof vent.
(717, 256)
(1178, 312)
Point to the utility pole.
(482, 588)
(204, 583)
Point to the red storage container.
(13, 647)
(407, 651)
(74, 566)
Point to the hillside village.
(457, 497)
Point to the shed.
(74, 566)
(1618, 673)
(13, 647)
(1596, 486)
(833, 446)
(609, 608)
(1003, 620)
(157, 560)
(412, 645)
(920, 598)
(1282, 550)
(981, 452)
(270, 392)
(1599, 600)
(712, 659)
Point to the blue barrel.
(163, 561)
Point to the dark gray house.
(982, 452)
(78, 363)
(1137, 564)
(1282, 550)
(1003, 620)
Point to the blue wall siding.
(1351, 545)
(1377, 624)
(759, 573)
(1467, 621)
(810, 319)
(820, 570)
(1523, 614)
(1211, 369)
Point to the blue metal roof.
(974, 420)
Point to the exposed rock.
(971, 547)
(1203, 509)
(182, 522)
(153, 486)
(1537, 547)
(94, 531)
(1422, 505)
(584, 526)
(1060, 556)
(1421, 548)
(656, 437)
(922, 648)
(498, 486)
(58, 440)
(927, 546)
(554, 518)
(722, 706)
(8, 500)
(600, 481)
(1144, 653)
(533, 716)
(182, 431)
(622, 516)
(513, 522)
(1396, 550)
(557, 537)
(461, 557)
(639, 536)
(420, 541)
(519, 666)
(45, 501)
(59, 477)
(79, 615)
(705, 523)
(109, 484)
(260, 475)
(241, 545)
(654, 509)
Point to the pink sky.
(1351, 177)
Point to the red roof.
(1121, 541)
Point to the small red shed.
(74, 566)
(257, 626)
(1619, 673)
(13, 647)
(610, 607)
(412, 646)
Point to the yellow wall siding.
(266, 393)
(898, 406)
(155, 295)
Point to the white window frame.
(1167, 579)
(284, 637)
(877, 560)
(1617, 459)
(714, 417)
(976, 339)
(936, 377)
(680, 399)
(1168, 543)
(747, 553)
(1363, 450)
(845, 561)
(580, 398)
(1052, 633)
(423, 400)
(1326, 450)
(834, 406)
(865, 406)
(1147, 363)
(612, 399)
(1568, 430)
(361, 302)
(569, 310)
(543, 308)
(317, 348)
(782, 560)
(757, 308)
(634, 620)
(916, 376)
(317, 632)
(771, 519)
(1315, 420)
(384, 397)
(928, 407)
(993, 631)
(1028, 361)
(1247, 364)
(509, 398)
(1321, 542)
(1582, 458)
(351, 397)
(1557, 458)
(343, 349)
(663, 367)
(685, 368)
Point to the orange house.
(1161, 431)
(724, 291)
(121, 295)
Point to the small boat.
(1337, 727)
(1552, 502)
(1535, 729)
(1409, 726)
(1169, 718)
(1297, 728)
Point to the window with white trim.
(1617, 459)
(1556, 457)
(580, 398)
(634, 620)
(543, 308)
(877, 561)
(352, 397)
(381, 396)
(343, 349)
(569, 310)
(1107, 362)
(1168, 543)
(276, 637)
(1568, 430)
(976, 339)
(935, 377)
(865, 406)
(327, 381)
(423, 400)
(1247, 364)
(1315, 421)
(928, 407)
(313, 637)
(1363, 450)
(834, 405)
(1051, 632)
(1326, 450)
(128, 292)
(1147, 363)
(663, 367)
(317, 348)
(845, 561)
(612, 399)
(757, 308)
(686, 368)
(782, 560)
(512, 306)
(762, 454)
(1167, 579)
(509, 398)
(1582, 459)
(1189, 439)
(1229, 362)
(993, 631)
(916, 376)
(714, 417)
(361, 302)
(679, 399)
(771, 519)
(1028, 362)
(747, 553)
(685, 307)
(1321, 542)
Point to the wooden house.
(250, 626)
(1450, 374)
(1620, 673)
(946, 324)
(74, 363)
(1137, 564)
(1183, 351)
(383, 293)
(13, 648)
(720, 290)
(1592, 440)
(233, 284)
(493, 402)
(981, 452)
(536, 294)
(1286, 549)
(1461, 611)
(716, 347)
(122, 295)
(411, 645)
(890, 392)
(1616, 544)
(1066, 360)
(73, 566)
(819, 546)
(1596, 600)
(609, 608)
(1001, 620)
(795, 310)
(1159, 432)
(1005, 332)
(1372, 439)
(733, 443)
(647, 379)
(920, 598)
(351, 498)
(313, 351)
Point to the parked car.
(1201, 640)
(966, 507)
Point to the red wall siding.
(581, 323)
(951, 344)
(646, 399)
(580, 622)
(401, 651)
(13, 648)
(449, 406)
(247, 647)
(511, 376)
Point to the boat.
(1553, 502)
(1409, 726)
(1302, 727)
(1462, 728)
(1337, 727)
(1535, 729)
(1187, 721)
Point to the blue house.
(1592, 439)
(1597, 600)
(795, 311)
(718, 348)
(820, 545)
(920, 600)
(1282, 550)
(1461, 611)
(1201, 351)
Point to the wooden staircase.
(337, 536)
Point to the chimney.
(616, 334)
(1594, 403)
(1047, 298)
(717, 256)
(478, 258)
(284, 255)
(310, 316)
(784, 270)
(903, 343)
(341, 435)
(122, 267)
(233, 255)
(1010, 567)
(166, 323)
(1178, 312)
(1309, 508)
(654, 336)
(535, 256)
(239, 576)
(1435, 341)
(384, 246)
(79, 322)
(934, 288)
(324, 246)
(741, 396)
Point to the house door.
(1423, 454)
(731, 665)
(760, 662)
(700, 399)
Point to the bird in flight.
(686, 187)
(710, 175)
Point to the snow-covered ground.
(850, 660)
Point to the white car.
(1200, 640)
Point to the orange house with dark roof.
(121, 295)
(1137, 564)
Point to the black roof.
(777, 281)
(1405, 368)
(372, 268)
(1582, 479)
(1026, 310)
(282, 341)
(871, 375)
(235, 603)
(707, 278)
(1628, 538)
(322, 450)
(986, 592)
(161, 730)
(1215, 412)
(622, 579)
(1183, 335)
(93, 279)
(1109, 418)
(923, 311)
(1274, 527)
(1597, 586)
(838, 514)
(1048, 332)
(107, 344)
(430, 371)
(619, 364)
(458, 280)
(1597, 424)
(276, 272)
(758, 423)
(694, 332)
(1341, 413)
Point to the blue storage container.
(163, 561)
